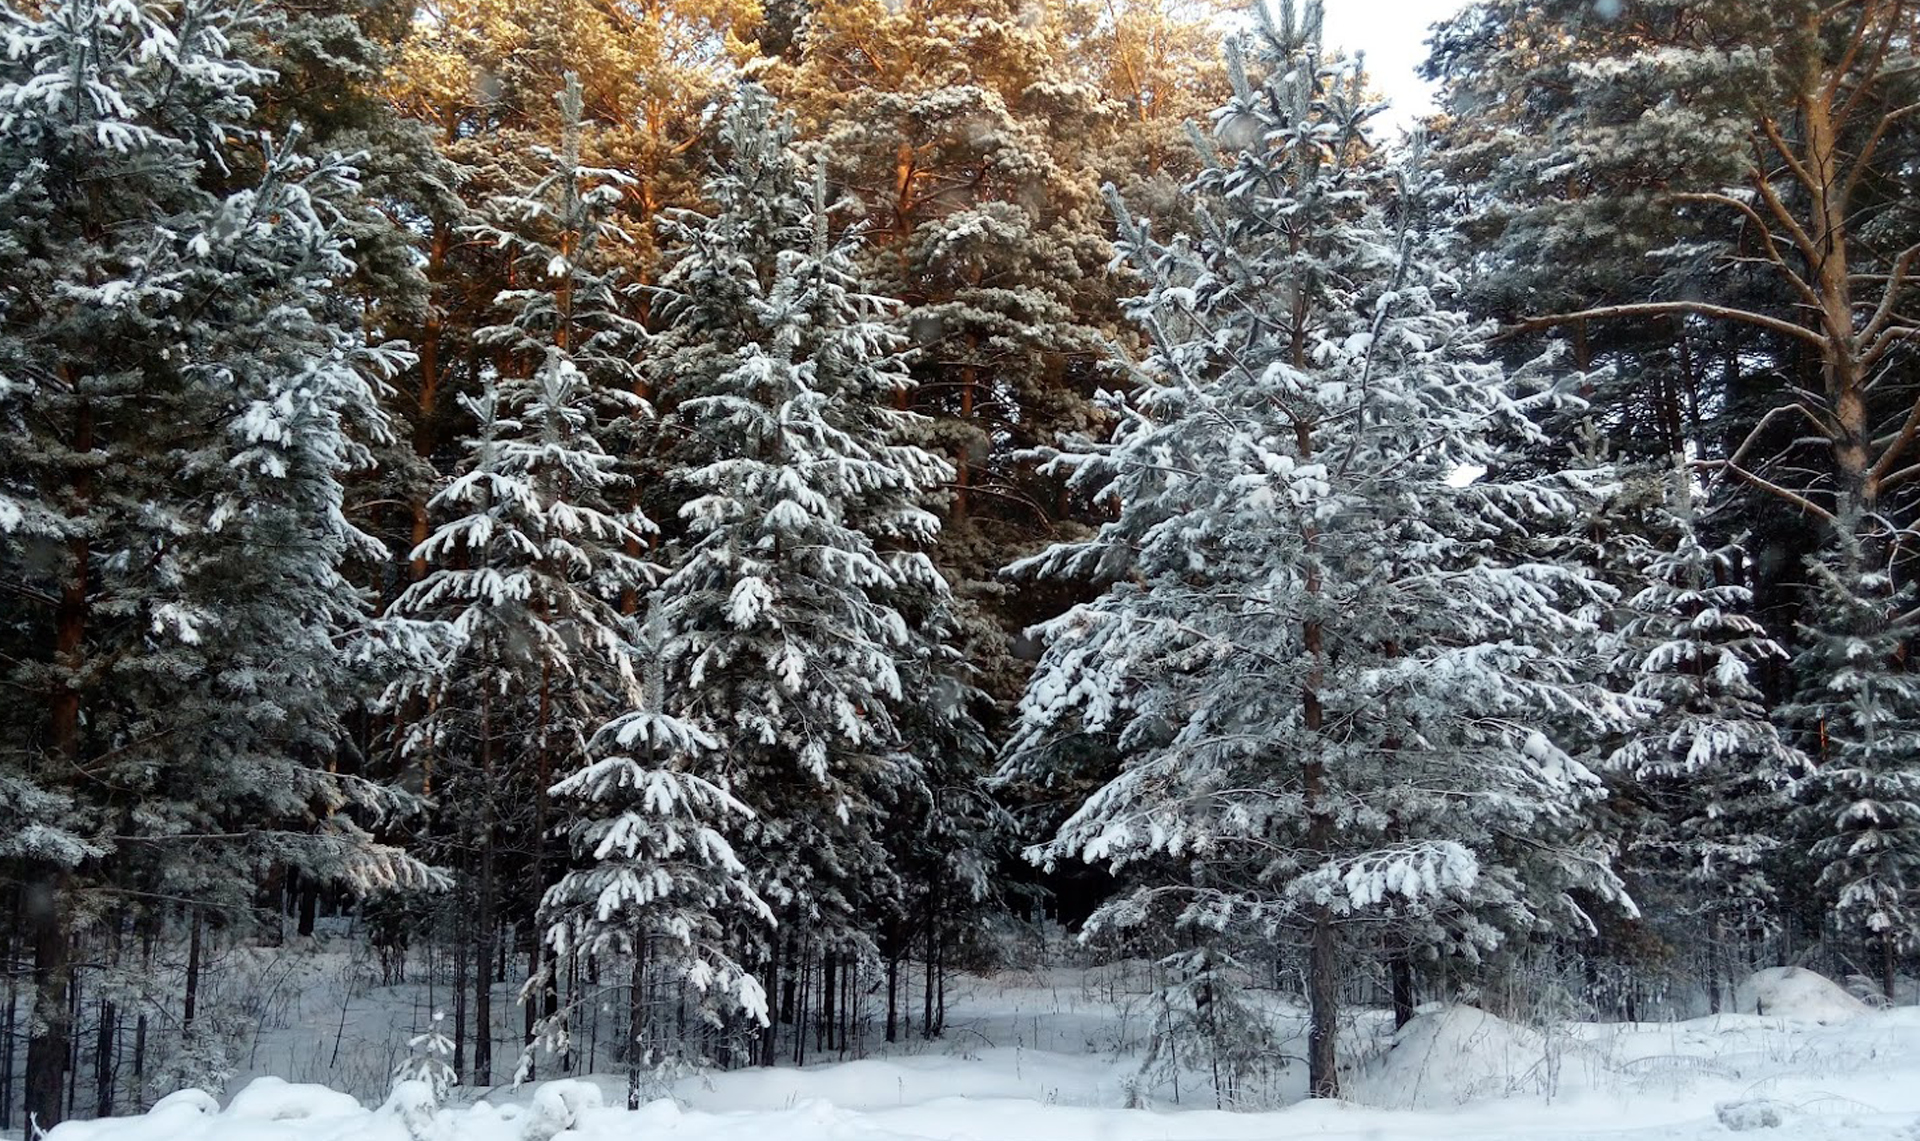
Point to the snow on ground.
(1053, 1056)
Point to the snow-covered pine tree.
(566, 310)
(192, 391)
(1328, 680)
(947, 833)
(555, 232)
(528, 568)
(536, 547)
(781, 620)
(1713, 770)
(1857, 717)
(657, 883)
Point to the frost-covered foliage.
(426, 1062)
(190, 394)
(186, 389)
(1712, 767)
(1334, 689)
(534, 550)
(657, 883)
(782, 625)
(528, 566)
(1207, 1019)
(1858, 718)
(553, 231)
(537, 546)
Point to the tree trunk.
(462, 957)
(9, 1014)
(769, 1036)
(926, 998)
(484, 925)
(103, 1050)
(636, 1024)
(893, 996)
(140, 1023)
(1323, 1006)
(51, 1027)
(1400, 966)
(829, 976)
(191, 1001)
(309, 906)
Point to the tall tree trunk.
(636, 1023)
(1323, 958)
(783, 1004)
(893, 996)
(103, 1050)
(9, 1015)
(829, 976)
(309, 907)
(140, 1023)
(191, 1001)
(462, 958)
(926, 998)
(73, 1043)
(545, 1002)
(484, 926)
(51, 1028)
(1323, 1005)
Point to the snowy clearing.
(1053, 1056)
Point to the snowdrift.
(1452, 1055)
(1795, 992)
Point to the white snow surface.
(1053, 1056)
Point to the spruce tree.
(782, 618)
(536, 550)
(192, 392)
(972, 135)
(1331, 687)
(658, 883)
(1857, 713)
(1712, 770)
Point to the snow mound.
(1746, 1115)
(1795, 992)
(1452, 1055)
(273, 1099)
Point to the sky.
(1393, 33)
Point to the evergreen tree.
(537, 550)
(191, 394)
(1330, 686)
(1858, 716)
(972, 137)
(782, 618)
(658, 885)
(1713, 771)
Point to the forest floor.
(1056, 1055)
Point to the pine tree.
(658, 884)
(1858, 716)
(1329, 685)
(972, 136)
(782, 621)
(537, 549)
(1722, 178)
(193, 394)
(1713, 770)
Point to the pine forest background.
(718, 515)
